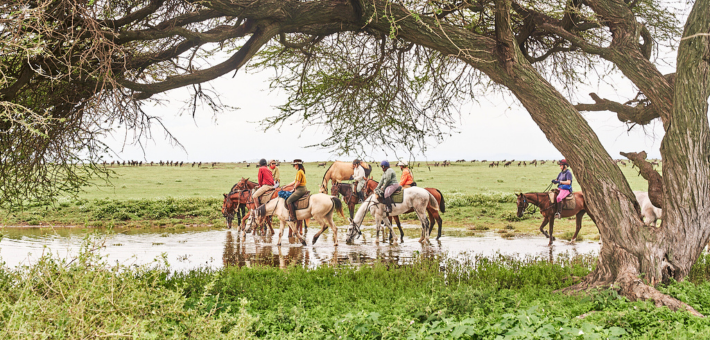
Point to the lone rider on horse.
(266, 181)
(388, 184)
(359, 178)
(564, 184)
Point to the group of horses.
(426, 203)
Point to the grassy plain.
(478, 198)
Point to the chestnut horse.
(241, 196)
(548, 210)
(351, 199)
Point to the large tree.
(369, 69)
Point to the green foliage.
(457, 199)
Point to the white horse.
(649, 211)
(415, 198)
(320, 207)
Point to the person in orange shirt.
(406, 181)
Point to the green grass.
(476, 197)
(431, 298)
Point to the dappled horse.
(415, 198)
(351, 199)
(547, 209)
(320, 207)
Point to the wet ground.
(192, 248)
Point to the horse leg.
(425, 226)
(552, 226)
(579, 225)
(271, 228)
(545, 220)
(281, 231)
(399, 226)
(378, 220)
(322, 229)
(437, 217)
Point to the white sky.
(496, 128)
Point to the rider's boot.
(361, 196)
(291, 212)
(558, 214)
(388, 205)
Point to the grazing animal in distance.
(649, 211)
(507, 164)
(322, 164)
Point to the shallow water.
(192, 248)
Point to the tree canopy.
(367, 69)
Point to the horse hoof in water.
(315, 238)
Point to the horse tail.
(442, 204)
(338, 206)
(432, 202)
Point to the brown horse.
(351, 199)
(338, 172)
(548, 210)
(349, 196)
(241, 196)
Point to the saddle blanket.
(303, 202)
(397, 197)
(266, 196)
(568, 203)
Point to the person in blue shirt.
(564, 184)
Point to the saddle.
(266, 196)
(303, 202)
(568, 203)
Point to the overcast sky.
(495, 128)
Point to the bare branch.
(641, 115)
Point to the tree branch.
(641, 115)
(655, 181)
(257, 40)
(505, 40)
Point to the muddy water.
(192, 248)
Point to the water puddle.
(193, 248)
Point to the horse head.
(322, 189)
(228, 210)
(522, 203)
(353, 230)
(335, 190)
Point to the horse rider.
(266, 181)
(275, 173)
(564, 184)
(406, 180)
(299, 189)
(389, 178)
(359, 177)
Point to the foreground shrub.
(87, 298)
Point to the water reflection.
(193, 248)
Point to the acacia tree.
(369, 69)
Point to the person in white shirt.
(359, 177)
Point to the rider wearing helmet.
(564, 184)
(266, 181)
(389, 178)
(359, 177)
(406, 181)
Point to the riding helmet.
(356, 162)
(262, 162)
(296, 161)
(385, 163)
(563, 162)
(402, 163)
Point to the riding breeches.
(360, 185)
(300, 191)
(262, 189)
(563, 193)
